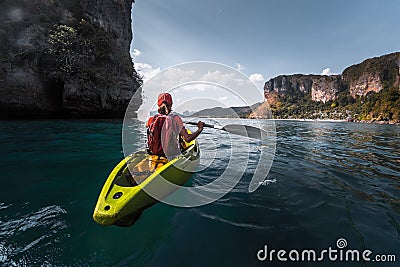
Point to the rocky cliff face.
(373, 75)
(65, 58)
(325, 88)
(320, 88)
(368, 82)
(366, 91)
(289, 83)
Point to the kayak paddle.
(243, 130)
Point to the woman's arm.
(190, 137)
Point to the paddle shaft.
(195, 123)
(243, 130)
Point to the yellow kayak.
(141, 180)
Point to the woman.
(166, 130)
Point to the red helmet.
(164, 97)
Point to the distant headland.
(365, 92)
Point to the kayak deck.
(131, 185)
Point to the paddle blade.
(243, 130)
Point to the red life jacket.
(163, 136)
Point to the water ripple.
(332, 180)
(24, 236)
(231, 222)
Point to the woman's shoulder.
(177, 118)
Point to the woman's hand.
(190, 137)
(200, 125)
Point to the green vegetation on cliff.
(369, 91)
(66, 58)
(382, 106)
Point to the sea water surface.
(327, 181)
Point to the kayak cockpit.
(141, 180)
(141, 166)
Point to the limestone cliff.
(65, 58)
(366, 91)
(373, 75)
(319, 88)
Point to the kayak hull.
(133, 185)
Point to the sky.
(263, 38)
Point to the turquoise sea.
(328, 181)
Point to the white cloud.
(146, 70)
(192, 83)
(172, 77)
(327, 71)
(197, 87)
(226, 79)
(256, 78)
(178, 74)
(135, 53)
(239, 67)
